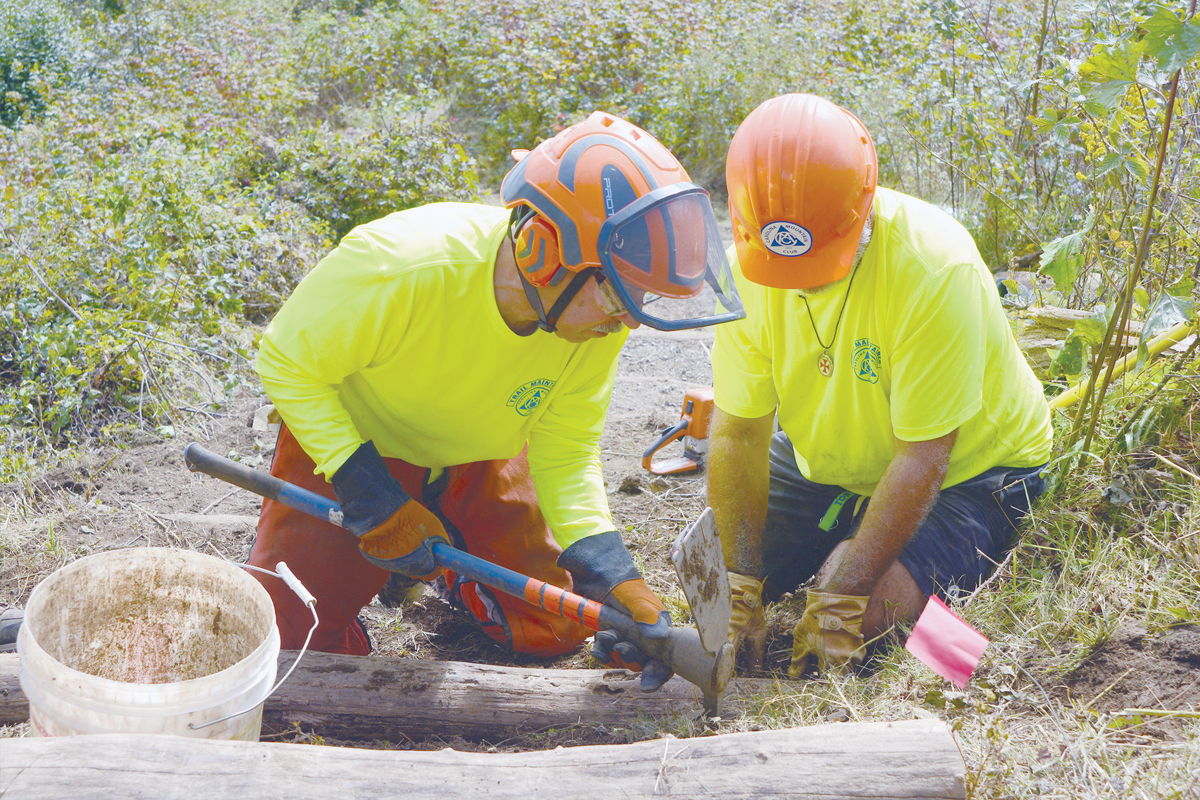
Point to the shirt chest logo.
(866, 361)
(529, 396)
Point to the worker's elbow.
(745, 431)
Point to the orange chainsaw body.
(692, 428)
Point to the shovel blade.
(700, 566)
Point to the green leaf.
(1182, 288)
(1063, 257)
(1110, 93)
(1093, 327)
(1182, 613)
(1111, 160)
(1168, 312)
(1137, 167)
(1108, 63)
(1170, 38)
(939, 699)
(1143, 354)
(1068, 362)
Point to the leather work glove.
(653, 620)
(831, 632)
(746, 620)
(602, 569)
(394, 531)
(404, 542)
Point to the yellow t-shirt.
(923, 348)
(395, 337)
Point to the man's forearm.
(905, 494)
(738, 481)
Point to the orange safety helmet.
(801, 176)
(604, 198)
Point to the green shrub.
(519, 71)
(373, 56)
(38, 43)
(348, 181)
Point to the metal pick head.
(700, 566)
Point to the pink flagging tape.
(946, 644)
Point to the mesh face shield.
(663, 256)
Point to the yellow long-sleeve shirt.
(395, 337)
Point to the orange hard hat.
(564, 180)
(801, 176)
(604, 197)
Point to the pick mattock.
(681, 650)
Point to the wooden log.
(215, 520)
(914, 758)
(356, 698)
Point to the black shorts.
(962, 539)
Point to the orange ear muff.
(536, 251)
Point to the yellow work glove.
(746, 620)
(404, 542)
(830, 631)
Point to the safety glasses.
(610, 303)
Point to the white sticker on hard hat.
(786, 238)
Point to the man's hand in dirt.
(829, 632)
(746, 624)
(653, 620)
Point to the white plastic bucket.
(148, 640)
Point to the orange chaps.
(489, 509)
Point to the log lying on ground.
(916, 758)
(351, 697)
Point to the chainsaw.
(692, 428)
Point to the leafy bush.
(38, 43)
(176, 193)
(349, 182)
(353, 58)
(209, 153)
(519, 71)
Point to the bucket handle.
(288, 577)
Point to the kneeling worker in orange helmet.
(913, 432)
(445, 373)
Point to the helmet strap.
(548, 320)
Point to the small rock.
(631, 485)
(838, 715)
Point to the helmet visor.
(664, 257)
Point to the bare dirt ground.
(140, 494)
(1137, 670)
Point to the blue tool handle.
(261, 483)
(472, 567)
(681, 650)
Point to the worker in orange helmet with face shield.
(444, 374)
(878, 434)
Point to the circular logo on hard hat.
(786, 238)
